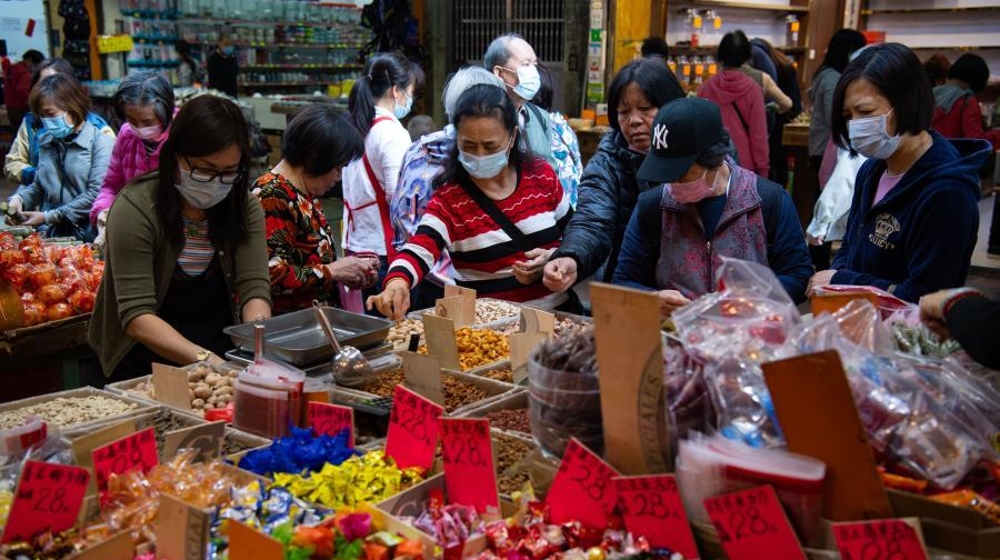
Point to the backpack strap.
(770, 207)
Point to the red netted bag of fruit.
(53, 281)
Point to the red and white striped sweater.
(482, 253)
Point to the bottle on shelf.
(792, 31)
(699, 72)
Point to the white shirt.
(385, 145)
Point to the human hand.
(559, 274)
(394, 301)
(529, 271)
(33, 218)
(102, 225)
(819, 280)
(352, 271)
(815, 241)
(670, 301)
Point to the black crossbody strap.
(494, 212)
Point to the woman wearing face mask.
(609, 187)
(186, 254)
(72, 159)
(709, 209)
(915, 217)
(497, 212)
(317, 145)
(378, 101)
(146, 101)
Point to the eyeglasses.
(202, 175)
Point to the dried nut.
(400, 333)
(504, 374)
(202, 392)
(479, 347)
(66, 411)
(457, 393)
(514, 420)
(492, 310)
(198, 403)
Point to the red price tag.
(48, 498)
(651, 507)
(752, 526)
(885, 539)
(582, 488)
(413, 429)
(133, 451)
(330, 419)
(469, 475)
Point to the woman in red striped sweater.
(499, 213)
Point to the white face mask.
(870, 137)
(202, 195)
(485, 167)
(528, 82)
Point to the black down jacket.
(609, 191)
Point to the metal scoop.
(349, 365)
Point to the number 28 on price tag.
(133, 451)
(48, 498)
(651, 507)
(752, 526)
(885, 539)
(468, 464)
(582, 488)
(413, 429)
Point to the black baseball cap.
(682, 129)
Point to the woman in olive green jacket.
(186, 253)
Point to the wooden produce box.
(138, 406)
(948, 527)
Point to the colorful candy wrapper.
(969, 499)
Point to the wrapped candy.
(359, 480)
(450, 525)
(299, 452)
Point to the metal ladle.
(349, 365)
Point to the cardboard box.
(140, 405)
(949, 527)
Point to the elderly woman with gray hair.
(146, 101)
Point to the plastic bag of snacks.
(732, 332)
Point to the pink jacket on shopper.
(128, 161)
(738, 95)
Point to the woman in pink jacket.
(741, 101)
(146, 101)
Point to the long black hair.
(652, 76)
(382, 71)
(838, 53)
(205, 125)
(482, 101)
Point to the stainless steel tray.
(298, 339)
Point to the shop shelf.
(268, 23)
(744, 6)
(281, 67)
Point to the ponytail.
(381, 73)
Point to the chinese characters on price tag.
(48, 498)
(885, 539)
(752, 526)
(582, 488)
(330, 419)
(413, 429)
(469, 476)
(137, 450)
(651, 506)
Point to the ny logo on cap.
(660, 137)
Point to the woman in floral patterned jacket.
(317, 145)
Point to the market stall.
(485, 429)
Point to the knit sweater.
(482, 253)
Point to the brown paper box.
(170, 385)
(440, 335)
(819, 418)
(629, 353)
(423, 375)
(117, 547)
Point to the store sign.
(752, 525)
(651, 506)
(47, 499)
(107, 44)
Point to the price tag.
(890, 539)
(469, 476)
(331, 419)
(582, 488)
(137, 450)
(752, 526)
(48, 498)
(651, 507)
(413, 429)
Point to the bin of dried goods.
(479, 347)
(75, 408)
(459, 390)
(209, 386)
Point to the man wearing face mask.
(223, 68)
(709, 208)
(914, 219)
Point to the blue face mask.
(484, 167)
(402, 111)
(229, 50)
(57, 126)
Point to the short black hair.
(897, 74)
(34, 56)
(713, 156)
(842, 45)
(319, 139)
(656, 81)
(655, 46)
(971, 69)
(734, 49)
